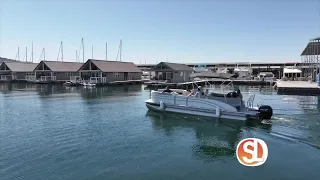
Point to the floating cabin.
(172, 72)
(103, 71)
(17, 71)
(57, 71)
(310, 58)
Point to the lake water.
(56, 132)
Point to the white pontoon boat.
(219, 105)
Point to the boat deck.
(297, 88)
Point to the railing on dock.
(6, 77)
(75, 78)
(30, 77)
(98, 79)
(48, 78)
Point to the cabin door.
(125, 76)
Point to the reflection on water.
(214, 138)
(45, 90)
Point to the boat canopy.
(242, 69)
(291, 70)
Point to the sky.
(180, 31)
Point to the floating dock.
(208, 82)
(128, 82)
(297, 88)
(113, 83)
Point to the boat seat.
(233, 94)
(217, 94)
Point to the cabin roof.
(21, 66)
(116, 66)
(312, 48)
(175, 66)
(7, 60)
(58, 66)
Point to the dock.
(208, 82)
(112, 83)
(297, 88)
(128, 82)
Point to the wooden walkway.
(296, 84)
(297, 88)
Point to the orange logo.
(252, 152)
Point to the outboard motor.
(265, 112)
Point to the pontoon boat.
(88, 84)
(219, 105)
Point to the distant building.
(101, 71)
(57, 70)
(172, 72)
(17, 70)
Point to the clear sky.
(159, 30)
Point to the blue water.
(56, 132)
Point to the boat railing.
(250, 101)
(223, 87)
(188, 100)
(48, 78)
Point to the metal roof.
(115, 66)
(58, 66)
(313, 48)
(7, 60)
(176, 66)
(20, 66)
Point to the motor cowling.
(265, 112)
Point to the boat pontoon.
(88, 84)
(219, 105)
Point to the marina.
(287, 78)
(56, 131)
(192, 90)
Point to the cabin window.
(116, 74)
(68, 74)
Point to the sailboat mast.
(32, 52)
(106, 51)
(61, 51)
(92, 52)
(26, 54)
(77, 56)
(82, 50)
(18, 55)
(120, 49)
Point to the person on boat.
(199, 92)
(167, 90)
